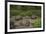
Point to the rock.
(17, 23)
(18, 18)
(12, 20)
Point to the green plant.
(37, 23)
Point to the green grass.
(24, 13)
(37, 23)
(23, 10)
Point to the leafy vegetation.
(37, 23)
